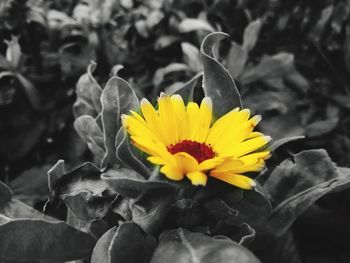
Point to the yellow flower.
(184, 142)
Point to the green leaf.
(128, 244)
(251, 34)
(88, 94)
(180, 245)
(218, 83)
(117, 98)
(5, 194)
(126, 156)
(129, 183)
(26, 240)
(296, 184)
(88, 129)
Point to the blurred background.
(290, 60)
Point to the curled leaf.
(218, 83)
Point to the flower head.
(185, 143)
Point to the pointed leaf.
(88, 94)
(56, 173)
(251, 34)
(117, 98)
(218, 83)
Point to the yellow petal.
(181, 117)
(250, 145)
(238, 180)
(210, 164)
(197, 178)
(235, 131)
(172, 172)
(186, 162)
(205, 116)
(152, 119)
(219, 127)
(156, 160)
(192, 112)
(167, 116)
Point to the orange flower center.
(200, 151)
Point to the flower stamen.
(200, 151)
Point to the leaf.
(218, 83)
(128, 244)
(296, 184)
(16, 209)
(253, 208)
(160, 74)
(191, 56)
(317, 32)
(126, 156)
(75, 57)
(13, 52)
(88, 129)
(251, 34)
(26, 240)
(83, 191)
(30, 90)
(151, 209)
(129, 183)
(5, 194)
(187, 90)
(194, 24)
(55, 173)
(276, 66)
(236, 60)
(4, 64)
(279, 143)
(117, 98)
(180, 245)
(88, 94)
(31, 185)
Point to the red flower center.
(200, 151)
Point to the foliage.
(285, 60)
